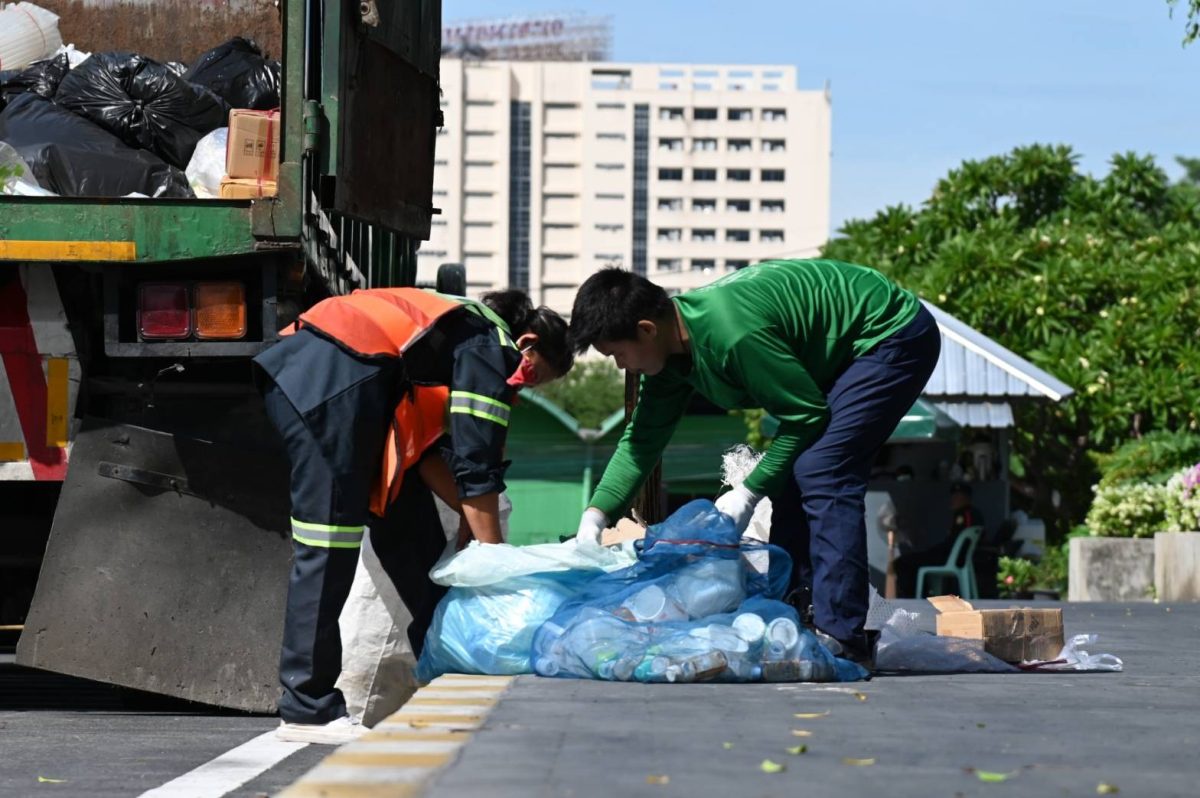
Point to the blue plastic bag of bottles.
(489, 629)
(699, 605)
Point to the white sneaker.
(336, 732)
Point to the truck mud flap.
(166, 569)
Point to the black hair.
(610, 304)
(513, 306)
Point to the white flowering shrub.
(1128, 511)
(1183, 501)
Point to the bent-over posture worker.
(837, 352)
(384, 397)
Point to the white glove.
(591, 525)
(738, 504)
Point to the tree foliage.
(591, 392)
(1191, 29)
(1093, 279)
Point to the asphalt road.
(1046, 735)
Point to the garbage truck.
(128, 410)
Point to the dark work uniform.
(333, 409)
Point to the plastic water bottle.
(753, 629)
(651, 604)
(702, 667)
(782, 637)
(787, 670)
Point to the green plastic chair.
(965, 573)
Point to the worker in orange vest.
(384, 398)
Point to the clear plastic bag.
(905, 647)
(207, 167)
(480, 564)
(1075, 657)
(697, 606)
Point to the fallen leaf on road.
(1108, 789)
(991, 777)
(861, 696)
(801, 733)
(796, 750)
(727, 746)
(857, 762)
(44, 780)
(980, 725)
(810, 715)
(768, 766)
(658, 779)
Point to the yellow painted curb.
(397, 758)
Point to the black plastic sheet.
(238, 73)
(143, 102)
(73, 157)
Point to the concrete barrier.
(1177, 566)
(1111, 569)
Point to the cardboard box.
(242, 188)
(1013, 635)
(252, 150)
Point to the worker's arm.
(661, 404)
(777, 380)
(480, 405)
(437, 477)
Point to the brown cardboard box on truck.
(1017, 634)
(242, 188)
(252, 150)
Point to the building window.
(670, 113)
(670, 204)
(439, 192)
(704, 113)
(611, 136)
(737, 235)
(609, 228)
(609, 196)
(433, 253)
(610, 167)
(670, 174)
(774, 114)
(438, 222)
(738, 175)
(519, 191)
(733, 265)
(670, 145)
(739, 145)
(704, 235)
(613, 259)
(771, 206)
(772, 175)
(611, 106)
(704, 175)
(738, 205)
(704, 205)
(740, 114)
(704, 265)
(669, 234)
(668, 264)
(774, 145)
(771, 236)
(704, 145)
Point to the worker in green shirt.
(837, 352)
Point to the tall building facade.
(548, 171)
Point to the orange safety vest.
(386, 322)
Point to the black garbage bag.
(40, 77)
(237, 71)
(144, 103)
(75, 158)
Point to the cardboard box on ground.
(1016, 634)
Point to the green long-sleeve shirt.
(774, 335)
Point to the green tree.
(1093, 279)
(591, 392)
(1191, 29)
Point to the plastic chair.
(965, 573)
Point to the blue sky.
(919, 86)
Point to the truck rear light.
(164, 311)
(220, 310)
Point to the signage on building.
(554, 37)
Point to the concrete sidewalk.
(1049, 734)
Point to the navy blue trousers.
(335, 448)
(820, 517)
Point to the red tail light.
(164, 311)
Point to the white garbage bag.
(28, 33)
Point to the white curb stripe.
(229, 771)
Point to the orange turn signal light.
(220, 310)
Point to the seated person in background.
(963, 515)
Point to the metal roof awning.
(979, 415)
